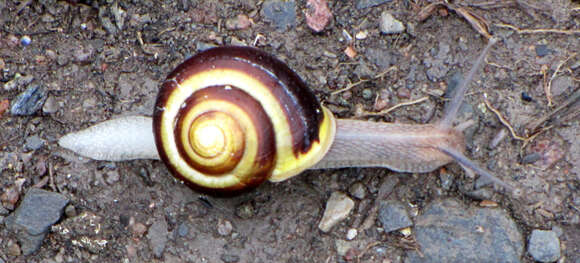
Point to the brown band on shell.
(301, 108)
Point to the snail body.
(229, 118)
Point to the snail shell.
(229, 118)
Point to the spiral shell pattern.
(231, 117)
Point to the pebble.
(240, 22)
(282, 14)
(367, 94)
(50, 105)
(390, 25)
(18, 81)
(70, 211)
(227, 258)
(361, 4)
(224, 227)
(318, 15)
(337, 209)
(29, 101)
(183, 230)
(33, 143)
(25, 40)
(542, 50)
(157, 236)
(10, 197)
(83, 54)
(393, 216)
(31, 221)
(13, 250)
(351, 234)
(245, 210)
(138, 229)
(358, 190)
(449, 232)
(544, 246)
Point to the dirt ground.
(101, 59)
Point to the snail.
(229, 118)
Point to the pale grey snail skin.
(356, 143)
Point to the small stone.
(10, 197)
(224, 227)
(25, 40)
(138, 229)
(33, 143)
(351, 234)
(157, 236)
(245, 210)
(29, 101)
(393, 216)
(50, 105)
(227, 258)
(282, 14)
(358, 190)
(112, 177)
(38, 211)
(361, 4)
(239, 22)
(18, 81)
(318, 15)
(3, 211)
(367, 94)
(4, 105)
(390, 25)
(337, 209)
(544, 246)
(13, 250)
(70, 211)
(183, 230)
(542, 50)
(83, 54)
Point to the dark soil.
(95, 67)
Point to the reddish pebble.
(240, 22)
(318, 15)
(350, 52)
(4, 105)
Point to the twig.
(504, 121)
(539, 30)
(383, 112)
(546, 85)
(571, 100)
(549, 88)
(352, 85)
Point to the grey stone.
(157, 236)
(542, 50)
(183, 230)
(50, 105)
(29, 101)
(227, 258)
(393, 215)
(544, 246)
(282, 14)
(361, 4)
(337, 209)
(33, 143)
(390, 25)
(31, 221)
(450, 232)
(358, 190)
